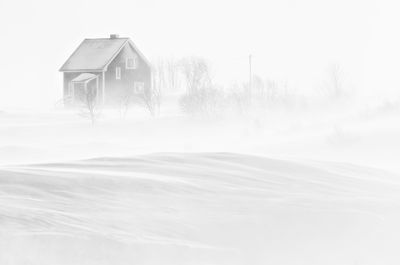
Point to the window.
(118, 73)
(138, 87)
(131, 63)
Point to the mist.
(289, 40)
(211, 132)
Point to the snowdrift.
(198, 208)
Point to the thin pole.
(97, 90)
(103, 94)
(250, 78)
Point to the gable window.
(118, 73)
(131, 63)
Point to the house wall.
(116, 89)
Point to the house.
(107, 68)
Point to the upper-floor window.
(118, 73)
(132, 62)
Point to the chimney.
(114, 36)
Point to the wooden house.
(110, 69)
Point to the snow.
(198, 208)
(286, 188)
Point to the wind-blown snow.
(198, 208)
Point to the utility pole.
(250, 78)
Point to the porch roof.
(83, 78)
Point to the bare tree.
(158, 74)
(152, 97)
(196, 73)
(89, 105)
(272, 89)
(335, 87)
(201, 95)
(239, 97)
(171, 74)
(127, 99)
(149, 103)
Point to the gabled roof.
(96, 54)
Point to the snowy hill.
(198, 208)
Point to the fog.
(226, 132)
(293, 41)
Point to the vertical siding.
(116, 89)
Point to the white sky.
(290, 40)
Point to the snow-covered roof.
(85, 77)
(96, 54)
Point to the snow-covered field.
(309, 189)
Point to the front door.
(84, 92)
